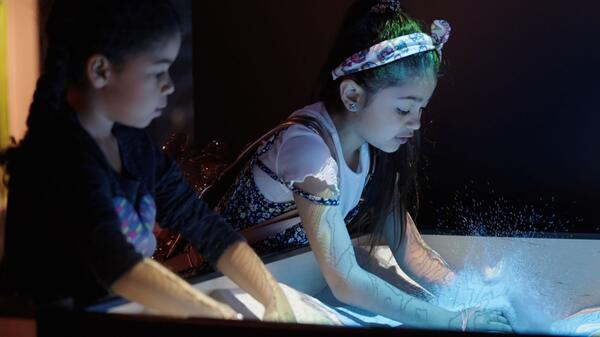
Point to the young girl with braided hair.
(86, 184)
(381, 76)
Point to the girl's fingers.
(501, 327)
(501, 319)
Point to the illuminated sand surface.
(539, 283)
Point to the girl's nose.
(414, 123)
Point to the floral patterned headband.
(392, 50)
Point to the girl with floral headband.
(381, 76)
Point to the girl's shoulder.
(304, 145)
(305, 139)
(302, 149)
(300, 152)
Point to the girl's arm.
(332, 246)
(333, 249)
(179, 208)
(415, 257)
(241, 264)
(158, 289)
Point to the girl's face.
(137, 92)
(394, 114)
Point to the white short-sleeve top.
(298, 152)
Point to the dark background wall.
(516, 117)
(510, 136)
(256, 62)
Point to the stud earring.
(352, 107)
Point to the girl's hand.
(475, 319)
(226, 312)
(492, 275)
(279, 311)
(241, 264)
(161, 291)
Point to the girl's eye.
(402, 112)
(161, 74)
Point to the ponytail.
(48, 100)
(50, 93)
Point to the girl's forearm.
(417, 259)
(353, 285)
(241, 264)
(367, 291)
(158, 289)
(427, 267)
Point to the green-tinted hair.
(363, 28)
(425, 64)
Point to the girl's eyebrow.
(164, 60)
(414, 98)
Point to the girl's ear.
(98, 70)
(352, 95)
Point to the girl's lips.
(401, 140)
